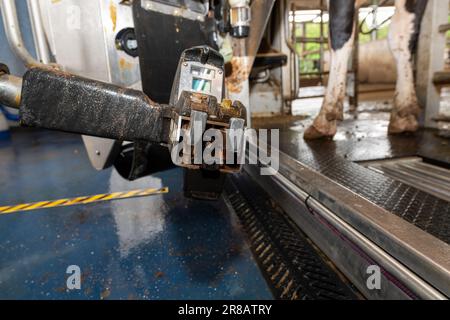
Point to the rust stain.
(239, 74)
(61, 289)
(227, 104)
(105, 294)
(124, 65)
(17, 99)
(113, 14)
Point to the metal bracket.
(192, 10)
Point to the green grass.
(307, 62)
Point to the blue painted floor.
(160, 247)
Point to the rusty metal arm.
(61, 101)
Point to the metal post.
(321, 43)
(430, 59)
(374, 33)
(293, 60)
(355, 66)
(10, 90)
(294, 53)
(13, 34)
(40, 39)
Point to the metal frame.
(352, 86)
(304, 40)
(245, 50)
(350, 250)
(430, 59)
(423, 254)
(14, 35)
(40, 39)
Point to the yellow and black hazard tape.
(81, 200)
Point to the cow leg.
(342, 35)
(403, 37)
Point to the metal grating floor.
(422, 209)
(293, 267)
(339, 160)
(416, 173)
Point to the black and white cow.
(403, 38)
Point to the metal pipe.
(265, 76)
(291, 46)
(10, 90)
(354, 101)
(14, 35)
(40, 39)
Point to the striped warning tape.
(81, 200)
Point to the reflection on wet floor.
(361, 136)
(369, 121)
(159, 247)
(375, 102)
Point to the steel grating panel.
(416, 173)
(423, 210)
(290, 263)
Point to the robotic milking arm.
(53, 99)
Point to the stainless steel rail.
(14, 35)
(40, 39)
(10, 90)
(350, 250)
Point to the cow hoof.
(400, 125)
(312, 133)
(404, 110)
(335, 114)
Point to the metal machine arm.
(57, 100)
(60, 101)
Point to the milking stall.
(225, 150)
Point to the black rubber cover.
(60, 101)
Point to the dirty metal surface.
(415, 172)
(61, 101)
(294, 268)
(366, 139)
(162, 247)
